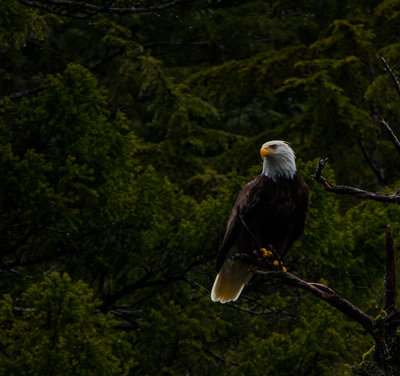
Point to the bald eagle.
(273, 207)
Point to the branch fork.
(352, 191)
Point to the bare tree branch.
(392, 136)
(347, 190)
(82, 9)
(392, 74)
(328, 295)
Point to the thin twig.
(392, 74)
(389, 131)
(396, 192)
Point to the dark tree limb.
(347, 190)
(390, 293)
(84, 9)
(328, 295)
(386, 355)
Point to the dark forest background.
(124, 140)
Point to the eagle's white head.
(279, 160)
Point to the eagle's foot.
(280, 265)
(262, 253)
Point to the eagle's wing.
(245, 201)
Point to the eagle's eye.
(273, 147)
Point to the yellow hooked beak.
(265, 151)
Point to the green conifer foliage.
(57, 329)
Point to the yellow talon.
(266, 253)
(276, 263)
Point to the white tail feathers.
(230, 281)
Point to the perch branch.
(347, 190)
(390, 294)
(328, 295)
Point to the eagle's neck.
(282, 166)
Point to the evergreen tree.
(126, 133)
